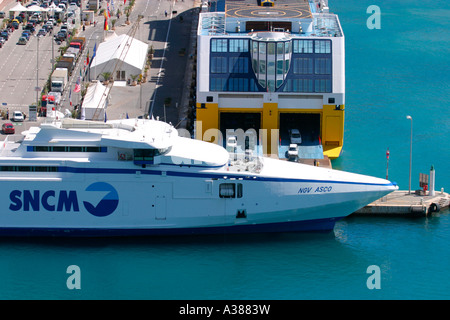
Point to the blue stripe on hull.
(319, 225)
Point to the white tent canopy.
(18, 8)
(35, 8)
(123, 51)
(96, 97)
(54, 8)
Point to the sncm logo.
(107, 205)
(65, 200)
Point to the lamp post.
(37, 89)
(53, 40)
(410, 153)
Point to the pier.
(401, 203)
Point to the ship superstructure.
(273, 66)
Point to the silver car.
(295, 136)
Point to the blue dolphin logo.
(107, 205)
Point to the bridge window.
(238, 45)
(219, 45)
(322, 46)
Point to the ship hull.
(318, 225)
(119, 202)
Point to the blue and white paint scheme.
(139, 177)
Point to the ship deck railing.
(241, 162)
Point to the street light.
(410, 153)
(37, 89)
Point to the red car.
(8, 128)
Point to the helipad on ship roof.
(286, 9)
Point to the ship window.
(304, 66)
(322, 46)
(303, 46)
(271, 48)
(230, 190)
(148, 154)
(322, 66)
(239, 190)
(280, 47)
(58, 149)
(29, 168)
(322, 85)
(219, 45)
(218, 84)
(66, 149)
(227, 190)
(218, 65)
(93, 149)
(238, 65)
(75, 149)
(238, 84)
(238, 45)
(39, 148)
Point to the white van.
(17, 116)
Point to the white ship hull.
(158, 202)
(99, 182)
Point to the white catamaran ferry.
(139, 177)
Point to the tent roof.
(115, 48)
(35, 8)
(18, 7)
(53, 7)
(96, 95)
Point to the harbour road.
(23, 68)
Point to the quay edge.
(400, 203)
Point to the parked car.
(2, 41)
(231, 144)
(293, 151)
(4, 34)
(26, 34)
(36, 16)
(30, 27)
(17, 116)
(295, 136)
(22, 40)
(61, 36)
(8, 128)
(42, 32)
(48, 25)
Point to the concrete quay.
(400, 203)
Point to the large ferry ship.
(273, 66)
(140, 177)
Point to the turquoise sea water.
(401, 69)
